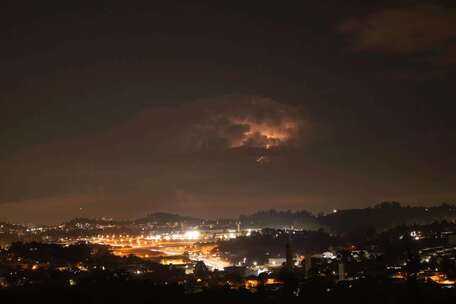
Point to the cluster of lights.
(328, 255)
(441, 279)
(416, 235)
(190, 235)
(228, 236)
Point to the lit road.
(145, 248)
(211, 261)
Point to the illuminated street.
(167, 248)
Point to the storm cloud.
(217, 109)
(219, 123)
(153, 156)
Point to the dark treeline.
(380, 217)
(278, 219)
(144, 291)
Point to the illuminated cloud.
(255, 122)
(266, 124)
(265, 135)
(219, 123)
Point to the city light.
(192, 235)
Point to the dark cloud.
(426, 30)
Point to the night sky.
(218, 108)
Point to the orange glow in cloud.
(266, 135)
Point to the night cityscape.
(228, 151)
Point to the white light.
(262, 270)
(328, 255)
(192, 235)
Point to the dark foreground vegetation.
(312, 292)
